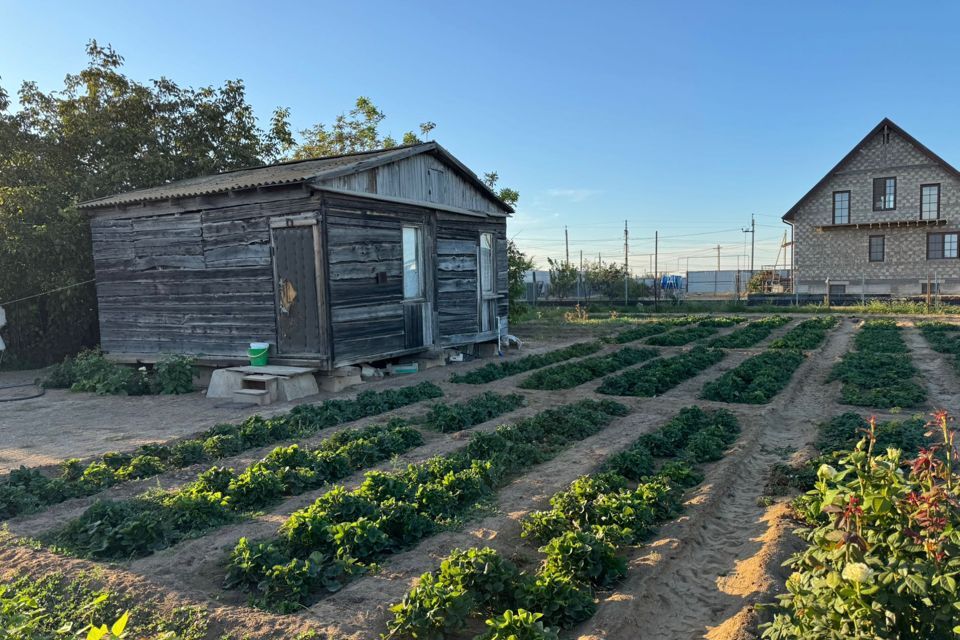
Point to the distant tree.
(563, 278)
(517, 265)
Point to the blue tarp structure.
(671, 282)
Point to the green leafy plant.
(174, 374)
(879, 373)
(26, 490)
(680, 337)
(756, 380)
(807, 335)
(521, 625)
(572, 374)
(497, 370)
(660, 375)
(448, 418)
(751, 334)
(427, 495)
(218, 496)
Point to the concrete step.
(259, 396)
(259, 377)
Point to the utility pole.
(656, 280)
(753, 234)
(566, 240)
(626, 263)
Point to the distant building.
(884, 220)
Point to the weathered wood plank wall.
(424, 178)
(198, 282)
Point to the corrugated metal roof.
(294, 172)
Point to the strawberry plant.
(944, 338)
(27, 490)
(448, 418)
(521, 625)
(680, 337)
(158, 519)
(807, 335)
(572, 374)
(497, 370)
(751, 334)
(582, 536)
(360, 526)
(879, 372)
(756, 380)
(647, 329)
(882, 549)
(721, 321)
(662, 374)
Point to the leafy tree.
(563, 278)
(517, 265)
(102, 133)
(105, 133)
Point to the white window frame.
(418, 236)
(491, 274)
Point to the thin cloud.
(573, 195)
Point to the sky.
(683, 118)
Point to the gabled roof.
(886, 122)
(288, 173)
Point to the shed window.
(884, 194)
(929, 201)
(841, 207)
(941, 246)
(412, 263)
(486, 262)
(876, 248)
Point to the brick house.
(884, 220)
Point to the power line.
(45, 293)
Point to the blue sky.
(682, 117)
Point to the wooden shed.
(333, 261)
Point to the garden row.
(662, 374)
(882, 554)
(751, 334)
(159, 519)
(878, 373)
(647, 329)
(343, 533)
(497, 370)
(572, 374)
(583, 537)
(758, 379)
(27, 489)
(943, 337)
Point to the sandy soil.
(699, 578)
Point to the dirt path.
(704, 573)
(937, 372)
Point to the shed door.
(295, 262)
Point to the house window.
(941, 246)
(876, 248)
(884, 194)
(929, 201)
(486, 262)
(841, 207)
(412, 261)
(934, 288)
(838, 289)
